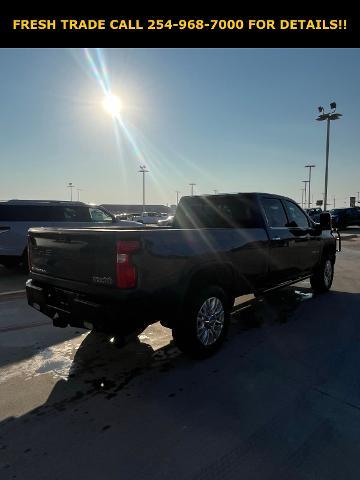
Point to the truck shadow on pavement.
(12, 279)
(280, 399)
(102, 367)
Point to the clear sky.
(230, 120)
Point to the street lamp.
(78, 193)
(302, 198)
(305, 182)
(192, 185)
(309, 167)
(328, 117)
(71, 186)
(177, 196)
(143, 171)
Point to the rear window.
(217, 212)
(44, 213)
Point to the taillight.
(126, 275)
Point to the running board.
(281, 285)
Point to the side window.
(75, 214)
(98, 215)
(296, 217)
(274, 212)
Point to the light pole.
(302, 198)
(309, 167)
(71, 186)
(192, 185)
(177, 196)
(78, 193)
(328, 117)
(143, 171)
(305, 182)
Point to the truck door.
(305, 246)
(281, 258)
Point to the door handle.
(276, 238)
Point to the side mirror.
(325, 221)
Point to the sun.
(112, 104)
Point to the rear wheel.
(202, 327)
(322, 278)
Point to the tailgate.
(85, 255)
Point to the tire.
(202, 327)
(323, 275)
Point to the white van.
(149, 217)
(17, 216)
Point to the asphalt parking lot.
(281, 400)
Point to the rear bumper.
(80, 310)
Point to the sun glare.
(112, 104)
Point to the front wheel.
(322, 278)
(202, 327)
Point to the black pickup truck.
(186, 275)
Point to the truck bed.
(166, 256)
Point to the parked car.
(188, 276)
(166, 222)
(134, 216)
(149, 217)
(122, 216)
(314, 213)
(17, 216)
(345, 217)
